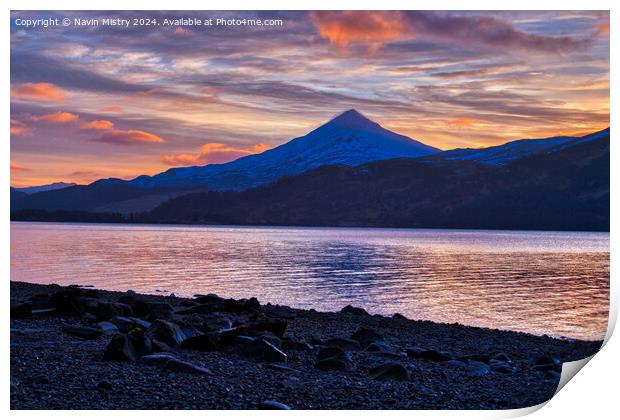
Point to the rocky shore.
(79, 348)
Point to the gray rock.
(205, 342)
(107, 327)
(430, 355)
(390, 370)
(366, 336)
(332, 358)
(177, 365)
(352, 310)
(86, 333)
(128, 347)
(22, 310)
(272, 405)
(166, 332)
(475, 368)
(263, 350)
(344, 343)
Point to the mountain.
(47, 187)
(349, 139)
(567, 189)
(501, 155)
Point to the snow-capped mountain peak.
(348, 139)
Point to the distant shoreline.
(110, 221)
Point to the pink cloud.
(58, 117)
(213, 153)
(38, 92)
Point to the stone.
(332, 358)
(278, 311)
(390, 370)
(106, 310)
(271, 338)
(379, 347)
(273, 325)
(86, 333)
(365, 336)
(126, 324)
(22, 310)
(40, 301)
(159, 358)
(205, 342)
(475, 368)
(167, 332)
(252, 305)
(272, 405)
(107, 327)
(344, 343)
(501, 366)
(128, 347)
(288, 344)
(430, 355)
(177, 365)
(216, 322)
(70, 301)
(548, 363)
(352, 310)
(263, 350)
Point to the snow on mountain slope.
(349, 139)
(501, 155)
(579, 140)
(47, 187)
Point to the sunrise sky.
(90, 103)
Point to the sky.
(94, 102)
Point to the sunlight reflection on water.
(539, 282)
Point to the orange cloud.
(114, 136)
(213, 153)
(464, 122)
(17, 167)
(351, 27)
(18, 128)
(38, 92)
(602, 29)
(112, 109)
(58, 117)
(98, 125)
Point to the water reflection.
(540, 282)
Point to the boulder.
(390, 370)
(332, 358)
(128, 347)
(167, 332)
(365, 336)
(379, 347)
(86, 333)
(106, 310)
(430, 355)
(205, 342)
(263, 350)
(22, 310)
(352, 310)
(273, 325)
(70, 301)
(107, 327)
(216, 322)
(475, 368)
(344, 344)
(126, 324)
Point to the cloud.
(15, 167)
(98, 125)
(602, 29)
(213, 153)
(128, 137)
(350, 27)
(18, 128)
(464, 122)
(113, 135)
(38, 92)
(58, 117)
(112, 109)
(374, 28)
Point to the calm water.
(540, 282)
